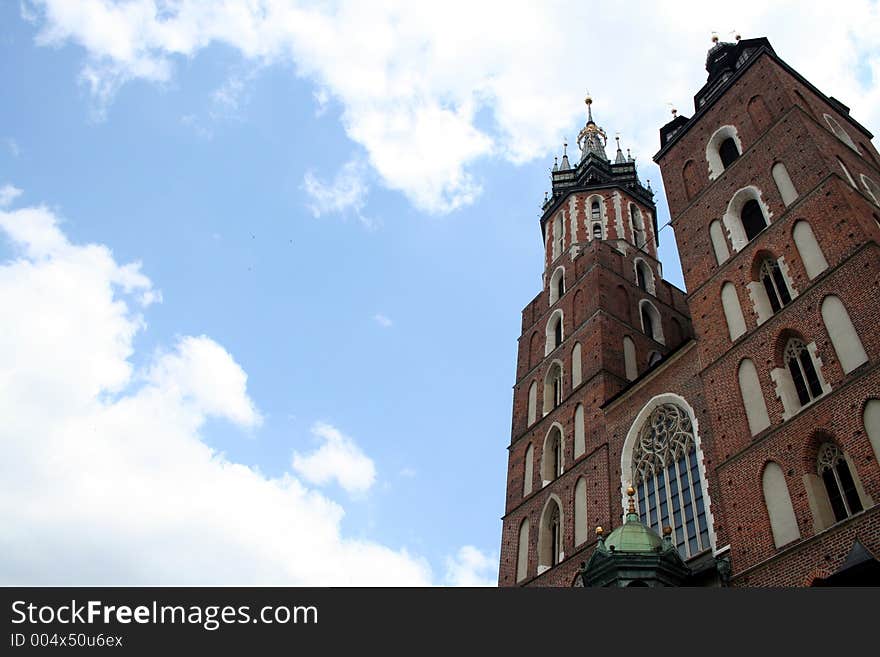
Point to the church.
(728, 435)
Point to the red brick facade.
(777, 117)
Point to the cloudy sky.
(263, 263)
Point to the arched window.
(723, 148)
(528, 470)
(847, 344)
(752, 218)
(666, 476)
(595, 213)
(557, 236)
(691, 184)
(651, 324)
(736, 323)
(550, 537)
(871, 187)
(579, 440)
(553, 387)
(839, 132)
(783, 183)
(580, 511)
(783, 523)
(809, 250)
(638, 225)
(522, 551)
(759, 113)
(576, 365)
(746, 216)
(728, 152)
(753, 397)
(533, 403)
(553, 332)
(551, 458)
(719, 244)
(597, 231)
(774, 284)
(629, 358)
(839, 484)
(802, 370)
(557, 285)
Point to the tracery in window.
(834, 470)
(774, 284)
(803, 371)
(665, 473)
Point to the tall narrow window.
(522, 551)
(728, 152)
(783, 184)
(555, 537)
(838, 480)
(550, 536)
(640, 278)
(844, 338)
(752, 219)
(638, 226)
(557, 333)
(557, 237)
(557, 285)
(533, 403)
(551, 458)
(803, 371)
(595, 212)
(597, 231)
(528, 471)
(647, 323)
(774, 284)
(809, 250)
(666, 474)
(580, 511)
(553, 387)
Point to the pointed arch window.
(640, 278)
(834, 471)
(803, 371)
(637, 225)
(666, 475)
(555, 536)
(774, 284)
(753, 220)
(728, 152)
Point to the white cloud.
(382, 320)
(470, 567)
(105, 476)
(339, 459)
(408, 472)
(346, 193)
(8, 193)
(428, 90)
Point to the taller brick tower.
(604, 301)
(752, 434)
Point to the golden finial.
(599, 531)
(667, 530)
(714, 37)
(630, 491)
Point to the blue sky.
(347, 222)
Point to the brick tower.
(752, 433)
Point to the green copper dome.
(633, 536)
